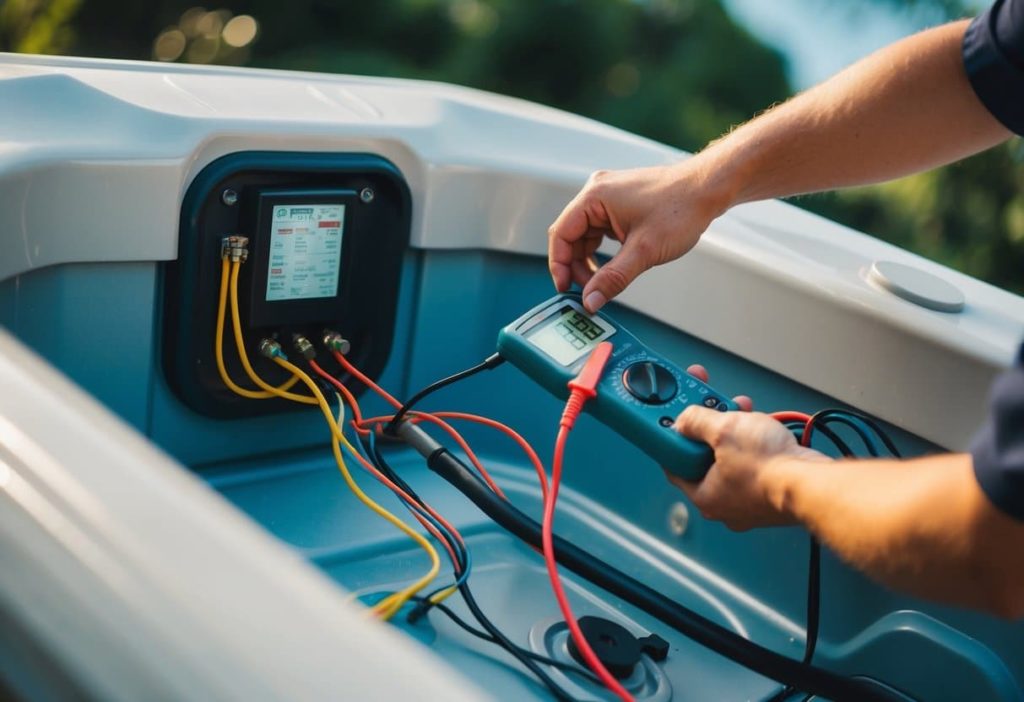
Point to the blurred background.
(678, 71)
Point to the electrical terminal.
(304, 346)
(271, 349)
(336, 342)
(235, 248)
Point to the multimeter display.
(305, 251)
(640, 393)
(568, 335)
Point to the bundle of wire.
(427, 517)
(491, 633)
(370, 457)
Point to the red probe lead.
(583, 387)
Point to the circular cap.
(650, 382)
(917, 286)
(616, 648)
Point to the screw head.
(229, 197)
(678, 518)
(367, 195)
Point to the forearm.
(922, 526)
(906, 108)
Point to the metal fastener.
(367, 195)
(229, 197)
(678, 518)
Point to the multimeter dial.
(639, 394)
(650, 382)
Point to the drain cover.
(917, 286)
(647, 681)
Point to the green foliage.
(36, 26)
(677, 71)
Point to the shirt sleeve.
(998, 449)
(993, 51)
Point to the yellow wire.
(218, 347)
(390, 605)
(229, 279)
(243, 356)
(439, 596)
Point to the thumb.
(613, 277)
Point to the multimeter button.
(711, 402)
(650, 382)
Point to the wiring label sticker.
(305, 251)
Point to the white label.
(305, 251)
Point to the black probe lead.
(489, 363)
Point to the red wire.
(511, 433)
(587, 652)
(383, 479)
(365, 380)
(805, 435)
(790, 416)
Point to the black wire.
(819, 422)
(466, 626)
(498, 637)
(492, 361)
(797, 428)
(813, 600)
(887, 441)
(858, 429)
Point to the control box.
(325, 236)
(640, 393)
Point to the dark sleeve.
(998, 449)
(993, 51)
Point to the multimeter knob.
(650, 382)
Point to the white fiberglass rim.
(769, 282)
(142, 583)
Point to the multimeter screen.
(305, 251)
(568, 335)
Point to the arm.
(922, 526)
(905, 108)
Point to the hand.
(657, 214)
(736, 488)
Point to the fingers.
(744, 402)
(570, 226)
(703, 424)
(613, 277)
(580, 217)
(699, 372)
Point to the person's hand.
(657, 214)
(735, 490)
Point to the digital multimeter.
(640, 393)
